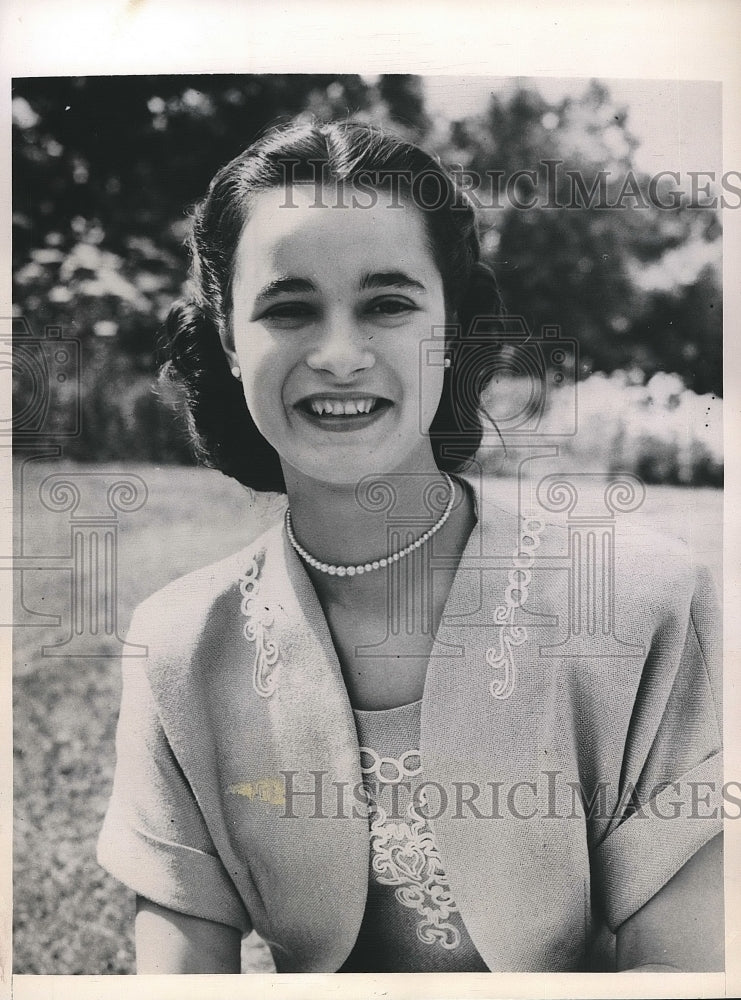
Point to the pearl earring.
(447, 362)
(236, 371)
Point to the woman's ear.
(452, 333)
(226, 336)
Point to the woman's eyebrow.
(283, 285)
(389, 279)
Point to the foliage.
(660, 431)
(580, 267)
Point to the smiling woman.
(331, 309)
(343, 176)
(319, 745)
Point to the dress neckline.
(376, 713)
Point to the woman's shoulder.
(645, 587)
(655, 562)
(178, 613)
(645, 565)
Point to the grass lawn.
(70, 916)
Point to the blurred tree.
(572, 256)
(681, 331)
(104, 170)
(403, 95)
(113, 163)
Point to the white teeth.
(342, 407)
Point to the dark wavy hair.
(221, 427)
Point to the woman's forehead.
(341, 227)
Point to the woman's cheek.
(260, 379)
(430, 395)
(257, 354)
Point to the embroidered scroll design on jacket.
(258, 620)
(501, 657)
(404, 853)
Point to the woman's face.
(330, 307)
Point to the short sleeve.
(154, 838)
(672, 775)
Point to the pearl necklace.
(333, 570)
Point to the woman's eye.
(289, 312)
(391, 307)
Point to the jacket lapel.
(262, 726)
(515, 876)
(315, 848)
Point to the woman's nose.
(341, 349)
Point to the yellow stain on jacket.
(270, 790)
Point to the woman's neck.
(350, 525)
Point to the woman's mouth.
(343, 413)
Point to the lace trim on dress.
(405, 855)
(259, 620)
(501, 657)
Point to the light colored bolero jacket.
(242, 684)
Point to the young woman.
(363, 735)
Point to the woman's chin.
(338, 476)
(350, 470)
